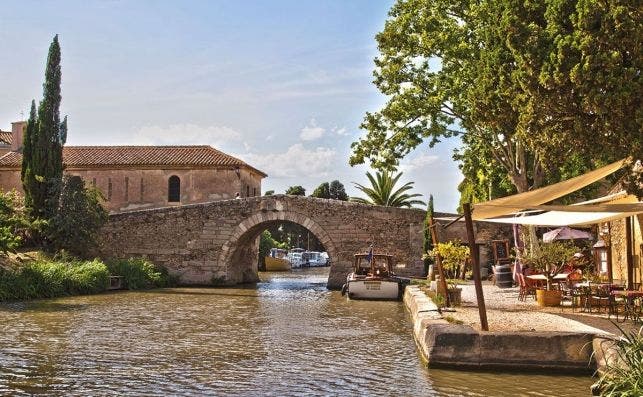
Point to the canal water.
(287, 336)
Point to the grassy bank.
(47, 278)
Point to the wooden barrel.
(504, 276)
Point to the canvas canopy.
(604, 209)
(528, 200)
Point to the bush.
(43, 279)
(14, 223)
(623, 373)
(139, 273)
(78, 218)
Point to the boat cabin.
(379, 265)
(278, 253)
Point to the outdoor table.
(631, 309)
(561, 276)
(538, 278)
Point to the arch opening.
(241, 254)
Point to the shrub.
(14, 223)
(42, 279)
(623, 372)
(78, 218)
(139, 273)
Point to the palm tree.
(383, 192)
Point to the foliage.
(266, 242)
(623, 374)
(333, 190)
(337, 191)
(453, 255)
(45, 279)
(549, 257)
(14, 223)
(523, 84)
(78, 218)
(427, 243)
(269, 193)
(296, 190)
(44, 138)
(383, 192)
(322, 191)
(140, 273)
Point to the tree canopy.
(45, 135)
(333, 190)
(527, 86)
(296, 190)
(383, 192)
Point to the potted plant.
(454, 256)
(548, 260)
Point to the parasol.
(565, 233)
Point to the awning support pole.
(475, 260)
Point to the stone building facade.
(135, 177)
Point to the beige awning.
(526, 200)
(603, 209)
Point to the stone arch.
(250, 227)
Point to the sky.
(282, 85)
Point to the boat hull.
(373, 289)
(277, 264)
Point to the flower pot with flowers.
(453, 255)
(547, 259)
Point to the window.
(109, 189)
(247, 191)
(174, 189)
(254, 191)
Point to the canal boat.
(276, 261)
(296, 257)
(373, 278)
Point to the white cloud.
(185, 134)
(311, 131)
(418, 163)
(340, 131)
(297, 162)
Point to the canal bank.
(449, 345)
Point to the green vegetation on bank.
(45, 278)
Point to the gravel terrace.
(506, 313)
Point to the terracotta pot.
(548, 298)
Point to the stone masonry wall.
(216, 243)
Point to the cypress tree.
(44, 167)
(428, 241)
(26, 174)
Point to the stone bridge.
(216, 243)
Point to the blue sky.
(282, 85)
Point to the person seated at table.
(576, 275)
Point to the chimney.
(17, 133)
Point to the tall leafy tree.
(494, 73)
(46, 136)
(296, 190)
(427, 244)
(26, 175)
(383, 191)
(337, 191)
(322, 191)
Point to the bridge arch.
(238, 254)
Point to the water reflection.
(287, 335)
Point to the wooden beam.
(475, 260)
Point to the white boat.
(276, 261)
(295, 257)
(373, 278)
(314, 259)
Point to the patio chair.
(601, 298)
(571, 295)
(527, 288)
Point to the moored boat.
(373, 278)
(276, 261)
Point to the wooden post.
(476, 266)
(629, 251)
(438, 262)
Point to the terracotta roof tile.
(5, 137)
(132, 156)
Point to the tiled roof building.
(133, 177)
